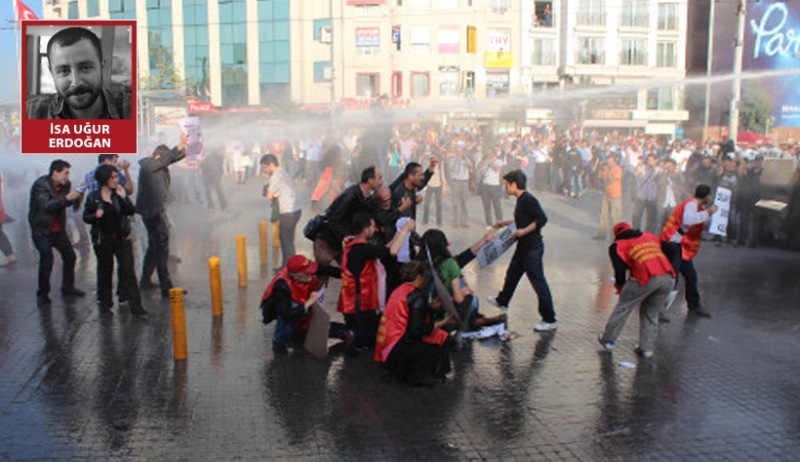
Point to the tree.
(163, 75)
(755, 110)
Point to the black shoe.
(700, 312)
(147, 285)
(138, 311)
(349, 343)
(43, 300)
(72, 292)
(122, 300)
(165, 293)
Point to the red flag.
(23, 12)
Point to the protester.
(121, 167)
(413, 180)
(529, 219)
(749, 194)
(459, 168)
(652, 278)
(281, 186)
(151, 204)
(107, 210)
(646, 194)
(47, 214)
(409, 343)
(434, 190)
(490, 188)
(5, 244)
(681, 238)
(211, 169)
(671, 188)
(611, 176)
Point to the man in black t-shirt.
(529, 219)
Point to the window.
(591, 13)
(368, 85)
(448, 84)
(448, 40)
(420, 39)
(591, 50)
(469, 81)
(122, 9)
(633, 53)
(419, 3)
(667, 16)
(499, 6)
(634, 13)
(544, 53)
(93, 8)
(448, 4)
(322, 71)
(665, 54)
(543, 13)
(397, 84)
(319, 24)
(72, 10)
(368, 40)
(661, 99)
(420, 84)
(497, 84)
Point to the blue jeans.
(287, 332)
(529, 261)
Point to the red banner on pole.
(23, 12)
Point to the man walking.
(529, 219)
(151, 204)
(47, 214)
(281, 186)
(611, 175)
(652, 278)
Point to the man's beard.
(80, 92)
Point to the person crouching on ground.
(408, 343)
(289, 299)
(652, 278)
(107, 210)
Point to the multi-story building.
(419, 52)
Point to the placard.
(489, 253)
(719, 220)
(316, 341)
(194, 145)
(78, 87)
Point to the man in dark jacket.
(50, 196)
(151, 204)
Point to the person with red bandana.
(360, 299)
(652, 278)
(681, 238)
(409, 343)
(289, 300)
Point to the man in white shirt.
(281, 186)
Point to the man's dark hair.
(59, 165)
(72, 35)
(411, 167)
(104, 157)
(368, 174)
(360, 222)
(516, 177)
(409, 271)
(103, 173)
(270, 159)
(161, 150)
(702, 191)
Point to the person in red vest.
(680, 241)
(652, 278)
(409, 343)
(359, 299)
(289, 300)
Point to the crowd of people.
(403, 293)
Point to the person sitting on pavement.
(408, 342)
(359, 299)
(652, 278)
(107, 209)
(289, 300)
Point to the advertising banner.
(78, 87)
(368, 37)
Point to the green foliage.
(755, 109)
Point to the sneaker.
(646, 354)
(8, 261)
(72, 292)
(43, 300)
(545, 326)
(607, 345)
(700, 312)
(493, 300)
(663, 318)
(138, 311)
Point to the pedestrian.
(107, 210)
(459, 168)
(646, 174)
(433, 192)
(408, 342)
(281, 186)
(5, 244)
(211, 168)
(681, 238)
(490, 188)
(151, 204)
(652, 278)
(529, 219)
(611, 176)
(749, 194)
(51, 194)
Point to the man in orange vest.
(359, 299)
(652, 278)
(680, 241)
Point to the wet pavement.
(74, 385)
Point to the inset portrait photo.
(79, 71)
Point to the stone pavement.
(77, 386)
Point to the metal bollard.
(215, 280)
(262, 242)
(241, 257)
(178, 323)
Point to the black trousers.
(157, 251)
(436, 193)
(106, 249)
(490, 196)
(214, 185)
(287, 225)
(44, 245)
(685, 268)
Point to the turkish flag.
(23, 12)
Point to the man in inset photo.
(75, 58)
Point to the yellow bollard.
(262, 242)
(241, 257)
(178, 323)
(216, 286)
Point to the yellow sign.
(498, 60)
